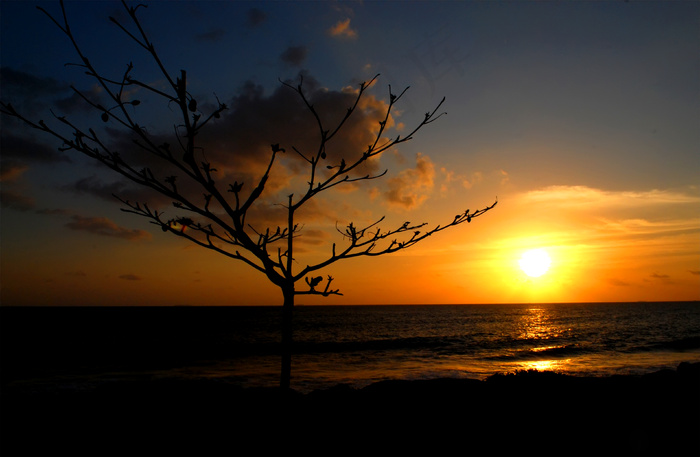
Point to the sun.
(535, 262)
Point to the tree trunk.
(287, 312)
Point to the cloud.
(310, 238)
(659, 276)
(130, 277)
(409, 189)
(617, 282)
(11, 170)
(93, 186)
(255, 17)
(238, 145)
(642, 227)
(75, 103)
(466, 181)
(659, 223)
(625, 216)
(30, 94)
(78, 273)
(470, 180)
(211, 36)
(342, 30)
(475, 178)
(16, 201)
(105, 227)
(17, 153)
(26, 85)
(694, 272)
(27, 149)
(109, 191)
(505, 177)
(663, 278)
(294, 55)
(55, 212)
(582, 195)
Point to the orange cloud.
(409, 189)
(342, 29)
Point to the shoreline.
(524, 413)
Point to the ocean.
(84, 347)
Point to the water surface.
(84, 347)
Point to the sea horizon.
(184, 305)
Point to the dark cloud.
(11, 170)
(28, 149)
(211, 36)
(659, 276)
(618, 282)
(694, 272)
(74, 102)
(662, 278)
(312, 237)
(24, 85)
(130, 277)
(255, 17)
(308, 239)
(79, 273)
(294, 55)
(30, 94)
(93, 186)
(55, 212)
(240, 142)
(16, 201)
(109, 191)
(105, 227)
(238, 145)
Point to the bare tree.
(214, 213)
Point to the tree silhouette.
(216, 213)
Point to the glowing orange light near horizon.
(535, 262)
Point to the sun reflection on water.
(544, 365)
(541, 335)
(537, 324)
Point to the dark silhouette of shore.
(527, 413)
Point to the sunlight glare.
(535, 262)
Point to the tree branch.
(226, 230)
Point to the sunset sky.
(581, 118)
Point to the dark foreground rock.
(528, 413)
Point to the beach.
(523, 413)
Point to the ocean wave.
(388, 344)
(540, 353)
(682, 344)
